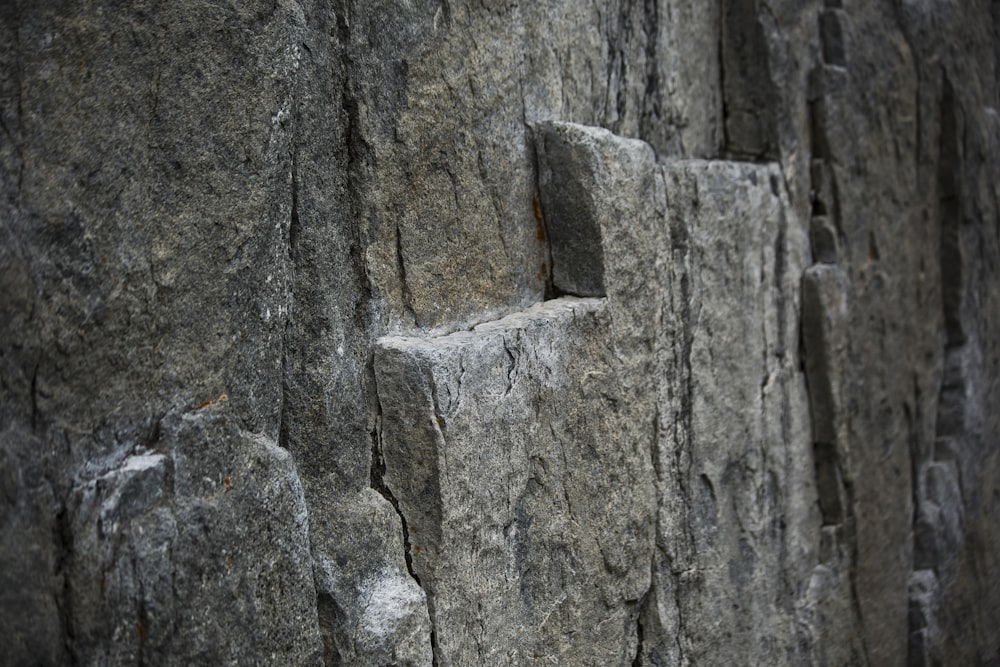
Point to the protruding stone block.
(824, 317)
(589, 181)
(527, 493)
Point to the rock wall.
(439, 332)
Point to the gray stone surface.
(526, 483)
(248, 249)
(520, 452)
(737, 522)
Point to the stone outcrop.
(454, 333)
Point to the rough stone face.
(526, 484)
(160, 544)
(737, 529)
(520, 451)
(583, 331)
(145, 219)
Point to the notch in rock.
(748, 91)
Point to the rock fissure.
(292, 241)
(404, 284)
(377, 482)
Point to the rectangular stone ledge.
(432, 385)
(544, 311)
(529, 511)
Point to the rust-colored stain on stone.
(536, 209)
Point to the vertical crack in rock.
(681, 439)
(292, 243)
(823, 331)
(823, 310)
(378, 483)
(826, 229)
(405, 285)
(683, 419)
(359, 157)
(950, 212)
(823, 340)
(616, 86)
(637, 661)
(64, 596)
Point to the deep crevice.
(930, 548)
(358, 157)
(294, 232)
(542, 230)
(823, 180)
(950, 212)
(64, 598)
(637, 661)
(829, 483)
(377, 482)
(617, 75)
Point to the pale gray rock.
(526, 485)
(371, 610)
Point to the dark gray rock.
(146, 215)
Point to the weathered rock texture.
(434, 332)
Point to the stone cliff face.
(573, 332)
